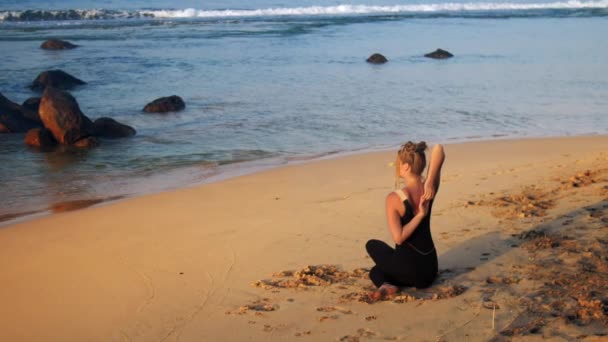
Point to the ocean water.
(269, 82)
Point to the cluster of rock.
(56, 118)
(377, 58)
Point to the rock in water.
(32, 104)
(110, 128)
(56, 79)
(172, 103)
(57, 44)
(377, 59)
(439, 54)
(87, 142)
(61, 114)
(15, 118)
(40, 137)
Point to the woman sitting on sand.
(413, 261)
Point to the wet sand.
(521, 229)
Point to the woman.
(413, 261)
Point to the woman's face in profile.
(403, 168)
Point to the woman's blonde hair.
(412, 154)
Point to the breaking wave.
(493, 10)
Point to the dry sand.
(521, 229)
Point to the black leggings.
(401, 266)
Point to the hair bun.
(420, 147)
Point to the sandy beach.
(520, 226)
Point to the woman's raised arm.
(431, 185)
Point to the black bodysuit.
(413, 263)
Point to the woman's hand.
(429, 191)
(423, 207)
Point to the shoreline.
(233, 170)
(279, 254)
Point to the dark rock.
(61, 114)
(439, 54)
(15, 118)
(165, 104)
(32, 103)
(40, 137)
(377, 59)
(87, 142)
(110, 128)
(56, 79)
(57, 44)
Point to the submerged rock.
(377, 59)
(40, 137)
(439, 54)
(172, 103)
(15, 118)
(61, 114)
(87, 142)
(57, 44)
(56, 79)
(110, 128)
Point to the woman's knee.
(372, 245)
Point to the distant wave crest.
(425, 10)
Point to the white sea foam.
(340, 10)
(366, 9)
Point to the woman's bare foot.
(384, 292)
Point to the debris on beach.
(530, 202)
(310, 276)
(357, 280)
(436, 292)
(583, 179)
(502, 280)
(569, 264)
(257, 306)
(534, 201)
(334, 308)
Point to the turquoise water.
(268, 82)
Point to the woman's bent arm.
(399, 233)
(409, 228)
(431, 185)
(392, 216)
